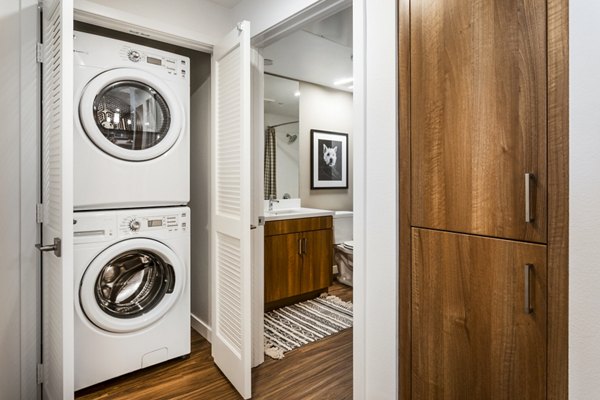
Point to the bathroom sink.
(292, 213)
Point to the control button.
(134, 55)
(134, 225)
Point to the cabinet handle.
(304, 245)
(529, 182)
(527, 271)
(299, 247)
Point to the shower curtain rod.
(285, 123)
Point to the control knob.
(134, 55)
(134, 225)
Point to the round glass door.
(131, 285)
(130, 114)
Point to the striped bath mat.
(290, 327)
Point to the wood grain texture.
(558, 199)
(298, 259)
(320, 370)
(478, 115)
(471, 336)
(283, 266)
(404, 290)
(297, 225)
(317, 261)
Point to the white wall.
(287, 155)
(18, 194)
(263, 14)
(584, 198)
(198, 20)
(200, 206)
(10, 362)
(329, 110)
(375, 201)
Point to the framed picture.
(328, 160)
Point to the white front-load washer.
(131, 129)
(132, 290)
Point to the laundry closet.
(141, 187)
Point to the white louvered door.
(231, 208)
(57, 199)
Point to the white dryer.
(132, 290)
(131, 136)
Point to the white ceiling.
(226, 3)
(320, 53)
(280, 98)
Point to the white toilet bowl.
(343, 248)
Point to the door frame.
(375, 347)
(558, 199)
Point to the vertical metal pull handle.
(300, 246)
(527, 271)
(529, 182)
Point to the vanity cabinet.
(298, 259)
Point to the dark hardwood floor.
(320, 370)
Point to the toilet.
(343, 245)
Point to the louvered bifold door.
(231, 208)
(57, 199)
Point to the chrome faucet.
(271, 201)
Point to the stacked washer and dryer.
(131, 224)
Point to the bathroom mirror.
(281, 137)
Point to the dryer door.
(131, 285)
(131, 114)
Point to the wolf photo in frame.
(328, 160)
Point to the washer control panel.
(132, 225)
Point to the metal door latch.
(56, 247)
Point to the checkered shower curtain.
(270, 164)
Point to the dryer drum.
(132, 115)
(133, 283)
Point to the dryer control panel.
(176, 66)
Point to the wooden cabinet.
(483, 103)
(298, 258)
(478, 94)
(472, 336)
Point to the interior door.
(231, 256)
(57, 199)
(478, 117)
(479, 316)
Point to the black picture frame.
(328, 160)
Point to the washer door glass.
(133, 283)
(132, 115)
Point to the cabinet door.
(478, 116)
(472, 338)
(283, 265)
(317, 260)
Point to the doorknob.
(55, 247)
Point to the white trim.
(376, 188)
(92, 13)
(318, 11)
(201, 327)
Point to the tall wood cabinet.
(482, 210)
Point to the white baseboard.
(201, 327)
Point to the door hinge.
(39, 52)
(39, 213)
(40, 373)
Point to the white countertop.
(295, 213)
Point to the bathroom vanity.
(298, 256)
